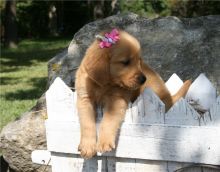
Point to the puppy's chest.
(100, 95)
(109, 94)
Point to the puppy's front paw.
(106, 143)
(87, 148)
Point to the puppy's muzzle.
(141, 79)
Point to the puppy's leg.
(114, 112)
(87, 146)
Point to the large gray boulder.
(188, 46)
(21, 137)
(170, 45)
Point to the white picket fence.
(150, 140)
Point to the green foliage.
(23, 75)
(72, 15)
(180, 8)
(146, 8)
(191, 8)
(2, 5)
(32, 17)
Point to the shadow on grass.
(27, 58)
(30, 52)
(8, 80)
(3, 69)
(29, 94)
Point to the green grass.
(23, 75)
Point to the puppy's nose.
(141, 79)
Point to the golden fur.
(112, 77)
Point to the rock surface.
(21, 137)
(170, 45)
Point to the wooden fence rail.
(150, 140)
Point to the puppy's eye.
(126, 62)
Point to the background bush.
(33, 16)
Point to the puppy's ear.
(97, 65)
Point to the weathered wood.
(201, 94)
(215, 112)
(146, 165)
(173, 166)
(154, 108)
(184, 167)
(212, 117)
(121, 164)
(75, 112)
(148, 108)
(66, 162)
(209, 169)
(152, 142)
(74, 163)
(182, 114)
(60, 102)
(129, 114)
(149, 139)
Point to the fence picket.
(154, 108)
(69, 162)
(134, 111)
(201, 94)
(60, 102)
(128, 115)
(121, 164)
(212, 117)
(149, 139)
(182, 114)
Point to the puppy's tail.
(181, 93)
(171, 100)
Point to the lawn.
(23, 75)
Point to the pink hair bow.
(108, 39)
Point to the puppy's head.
(119, 64)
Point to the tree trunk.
(10, 24)
(115, 7)
(98, 11)
(52, 14)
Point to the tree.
(10, 24)
(52, 22)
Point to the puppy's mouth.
(133, 84)
(130, 86)
(136, 83)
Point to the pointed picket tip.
(201, 94)
(148, 108)
(181, 113)
(60, 102)
(151, 95)
(58, 85)
(154, 108)
(174, 83)
(212, 116)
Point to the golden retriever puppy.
(111, 76)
